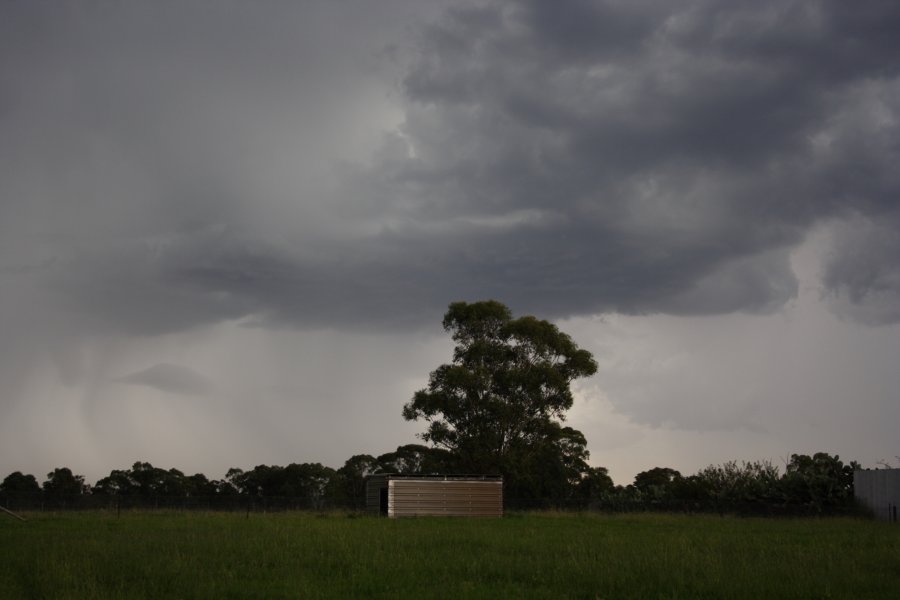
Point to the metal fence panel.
(879, 490)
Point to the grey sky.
(228, 231)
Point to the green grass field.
(300, 555)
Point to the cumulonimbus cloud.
(568, 159)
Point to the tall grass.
(541, 555)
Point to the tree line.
(305, 485)
(816, 484)
(498, 407)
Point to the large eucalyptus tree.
(498, 404)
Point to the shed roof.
(461, 477)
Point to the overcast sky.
(229, 230)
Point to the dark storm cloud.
(173, 379)
(863, 275)
(673, 153)
(167, 166)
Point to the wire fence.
(19, 502)
(616, 505)
(90, 502)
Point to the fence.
(615, 505)
(224, 503)
(262, 504)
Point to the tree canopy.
(496, 407)
(18, 483)
(62, 482)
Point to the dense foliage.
(817, 484)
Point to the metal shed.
(879, 490)
(396, 495)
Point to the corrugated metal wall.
(436, 496)
(452, 497)
(879, 489)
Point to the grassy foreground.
(300, 555)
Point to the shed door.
(383, 501)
